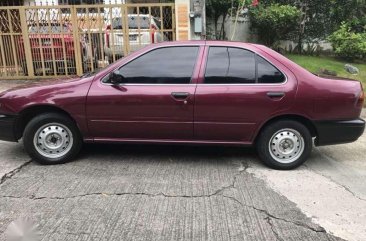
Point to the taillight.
(153, 29)
(107, 35)
(361, 99)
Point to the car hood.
(57, 92)
(41, 83)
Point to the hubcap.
(286, 145)
(53, 140)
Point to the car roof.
(206, 42)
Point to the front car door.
(238, 90)
(155, 102)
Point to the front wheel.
(284, 144)
(52, 138)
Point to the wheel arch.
(294, 117)
(28, 113)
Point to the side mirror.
(116, 78)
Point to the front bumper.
(337, 132)
(7, 127)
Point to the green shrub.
(274, 22)
(347, 43)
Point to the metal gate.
(65, 40)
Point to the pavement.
(151, 192)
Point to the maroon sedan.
(221, 93)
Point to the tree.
(319, 18)
(274, 22)
(216, 9)
(349, 42)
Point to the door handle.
(274, 95)
(180, 95)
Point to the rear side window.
(172, 65)
(230, 66)
(239, 66)
(267, 73)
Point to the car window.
(230, 66)
(217, 65)
(172, 65)
(267, 73)
(239, 66)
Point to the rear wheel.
(284, 144)
(52, 138)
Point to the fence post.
(27, 47)
(182, 20)
(126, 30)
(76, 37)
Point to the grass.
(314, 64)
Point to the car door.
(239, 89)
(154, 102)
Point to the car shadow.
(179, 152)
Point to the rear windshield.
(48, 29)
(133, 22)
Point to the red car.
(204, 92)
(51, 43)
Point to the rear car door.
(155, 102)
(238, 91)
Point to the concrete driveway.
(147, 192)
(121, 192)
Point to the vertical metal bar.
(126, 31)
(90, 39)
(101, 35)
(40, 43)
(48, 17)
(111, 34)
(151, 33)
(63, 42)
(139, 24)
(174, 27)
(13, 44)
(2, 50)
(79, 68)
(162, 22)
(27, 47)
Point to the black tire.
(288, 133)
(66, 134)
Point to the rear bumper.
(7, 128)
(337, 132)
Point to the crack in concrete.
(331, 179)
(242, 168)
(10, 174)
(319, 229)
(273, 229)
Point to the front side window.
(239, 66)
(171, 65)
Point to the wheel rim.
(286, 145)
(53, 140)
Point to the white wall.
(240, 32)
